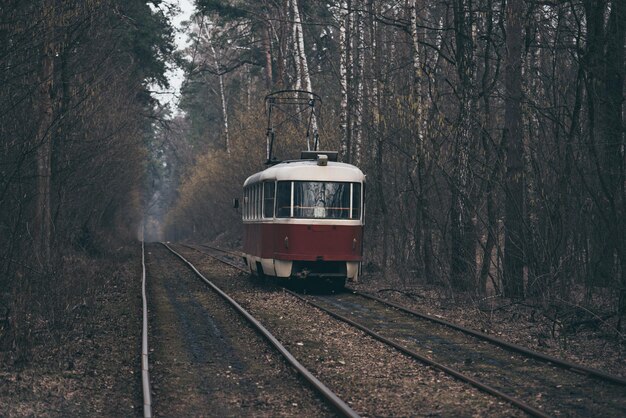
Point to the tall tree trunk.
(281, 44)
(593, 59)
(43, 221)
(303, 65)
(493, 172)
(267, 51)
(421, 228)
(220, 76)
(345, 74)
(359, 78)
(377, 135)
(295, 37)
(612, 128)
(534, 249)
(223, 100)
(463, 254)
(512, 138)
(604, 65)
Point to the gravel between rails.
(375, 380)
(206, 360)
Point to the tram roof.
(308, 170)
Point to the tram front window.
(283, 199)
(318, 200)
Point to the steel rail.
(458, 375)
(330, 396)
(145, 375)
(217, 258)
(233, 253)
(504, 344)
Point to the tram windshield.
(317, 199)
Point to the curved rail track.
(338, 404)
(558, 382)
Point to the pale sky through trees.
(175, 75)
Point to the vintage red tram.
(304, 219)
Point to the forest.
(491, 132)
(76, 118)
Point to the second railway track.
(546, 388)
(538, 387)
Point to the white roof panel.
(308, 171)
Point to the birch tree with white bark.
(303, 77)
(208, 39)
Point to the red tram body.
(304, 219)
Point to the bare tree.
(302, 73)
(462, 230)
(514, 224)
(218, 70)
(43, 218)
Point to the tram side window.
(283, 199)
(251, 210)
(256, 202)
(259, 201)
(356, 201)
(268, 199)
(253, 202)
(249, 203)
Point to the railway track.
(173, 292)
(538, 384)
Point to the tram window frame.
(283, 201)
